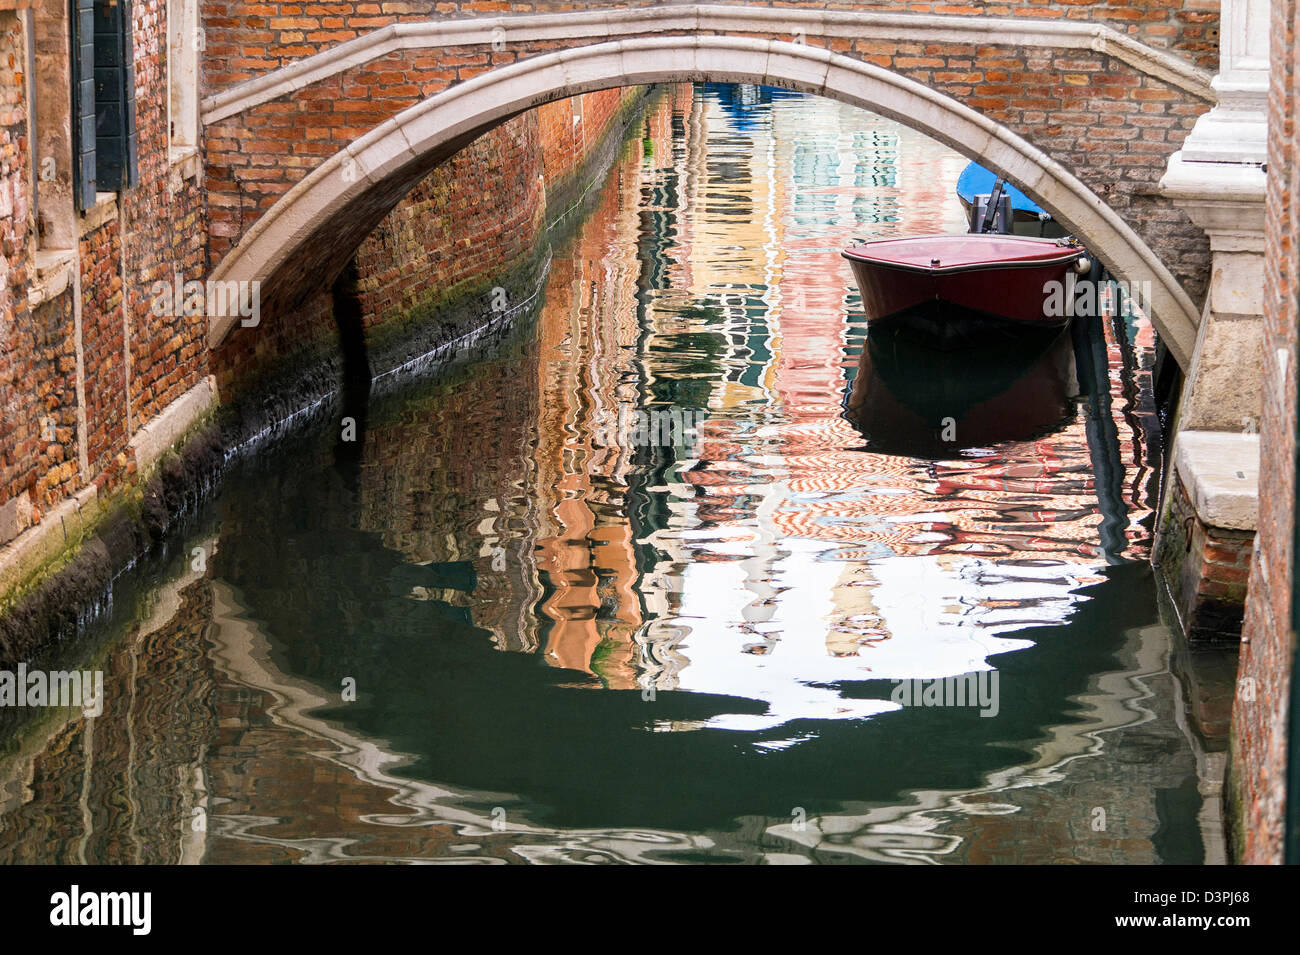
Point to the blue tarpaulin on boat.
(975, 180)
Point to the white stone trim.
(170, 424)
(52, 272)
(1220, 471)
(1226, 200)
(606, 25)
(491, 97)
(104, 210)
(61, 527)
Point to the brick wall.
(480, 213)
(164, 218)
(569, 134)
(27, 356)
(1258, 763)
(247, 38)
(103, 346)
(45, 471)
(134, 362)
(475, 216)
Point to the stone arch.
(306, 236)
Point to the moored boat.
(944, 280)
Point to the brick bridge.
(320, 116)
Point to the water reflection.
(571, 648)
(913, 400)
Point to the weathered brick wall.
(27, 357)
(247, 38)
(478, 213)
(134, 362)
(164, 219)
(568, 141)
(42, 470)
(473, 217)
(128, 356)
(1259, 748)
(38, 397)
(103, 346)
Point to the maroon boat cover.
(955, 251)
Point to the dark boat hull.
(1002, 277)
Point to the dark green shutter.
(115, 136)
(83, 101)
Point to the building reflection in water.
(821, 537)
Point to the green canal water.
(493, 616)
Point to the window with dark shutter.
(83, 101)
(115, 137)
(103, 94)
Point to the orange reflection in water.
(745, 217)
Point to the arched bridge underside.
(304, 160)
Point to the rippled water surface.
(508, 625)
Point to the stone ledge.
(1221, 181)
(53, 268)
(1220, 470)
(183, 164)
(104, 210)
(15, 517)
(1225, 199)
(154, 438)
(60, 528)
